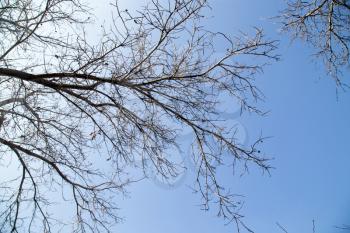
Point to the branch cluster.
(324, 24)
(76, 116)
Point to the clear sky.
(310, 137)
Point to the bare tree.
(75, 115)
(325, 25)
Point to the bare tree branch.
(325, 25)
(76, 116)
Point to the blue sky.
(310, 132)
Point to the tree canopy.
(325, 25)
(75, 116)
